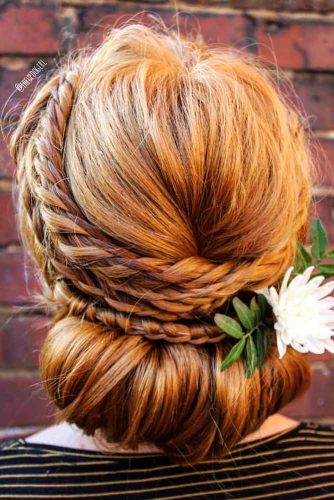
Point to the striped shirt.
(294, 464)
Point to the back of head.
(158, 177)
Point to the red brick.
(10, 97)
(8, 232)
(17, 281)
(323, 152)
(312, 94)
(29, 29)
(23, 401)
(317, 402)
(323, 207)
(296, 45)
(18, 432)
(215, 28)
(6, 163)
(288, 5)
(21, 339)
(321, 358)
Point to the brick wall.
(298, 34)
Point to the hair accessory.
(300, 311)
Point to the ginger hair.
(157, 178)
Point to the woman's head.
(157, 178)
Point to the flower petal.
(273, 296)
(315, 346)
(297, 282)
(323, 290)
(299, 347)
(326, 303)
(307, 274)
(315, 282)
(329, 345)
(304, 312)
(286, 279)
(280, 346)
(322, 332)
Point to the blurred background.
(295, 35)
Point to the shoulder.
(5, 445)
(16, 456)
(16, 451)
(13, 445)
(9, 446)
(307, 446)
(312, 440)
(20, 454)
(312, 432)
(31, 470)
(308, 436)
(298, 463)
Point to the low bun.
(172, 395)
(158, 178)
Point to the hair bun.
(157, 178)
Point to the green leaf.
(266, 344)
(259, 347)
(319, 239)
(263, 304)
(243, 312)
(303, 260)
(331, 254)
(251, 357)
(228, 325)
(234, 354)
(255, 310)
(326, 269)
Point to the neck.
(70, 436)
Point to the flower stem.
(248, 334)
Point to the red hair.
(158, 177)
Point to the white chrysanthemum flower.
(303, 312)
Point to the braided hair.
(157, 178)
